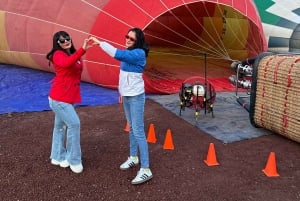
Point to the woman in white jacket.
(132, 90)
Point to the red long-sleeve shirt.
(66, 83)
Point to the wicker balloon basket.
(275, 94)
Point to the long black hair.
(56, 46)
(140, 40)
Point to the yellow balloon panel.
(18, 58)
(236, 33)
(3, 45)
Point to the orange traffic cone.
(168, 144)
(211, 159)
(271, 169)
(127, 127)
(151, 134)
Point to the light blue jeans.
(134, 107)
(66, 133)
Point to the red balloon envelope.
(178, 31)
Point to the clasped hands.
(90, 42)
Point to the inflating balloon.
(179, 32)
(281, 24)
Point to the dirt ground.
(179, 174)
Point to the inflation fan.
(197, 93)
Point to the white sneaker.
(54, 162)
(129, 163)
(76, 168)
(142, 176)
(63, 163)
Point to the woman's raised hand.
(95, 40)
(87, 43)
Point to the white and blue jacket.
(133, 62)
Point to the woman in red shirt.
(64, 93)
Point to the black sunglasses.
(130, 38)
(63, 40)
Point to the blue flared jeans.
(66, 133)
(134, 107)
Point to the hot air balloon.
(178, 31)
(281, 24)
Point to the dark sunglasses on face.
(130, 38)
(63, 40)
